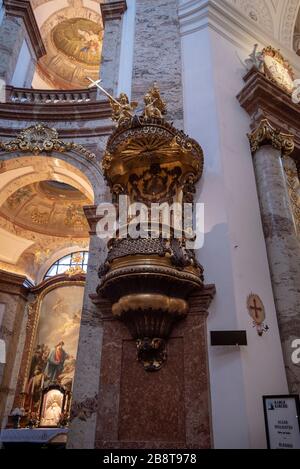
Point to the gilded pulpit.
(154, 389)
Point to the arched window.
(77, 259)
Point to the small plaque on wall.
(282, 414)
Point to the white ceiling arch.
(287, 21)
(261, 12)
(277, 18)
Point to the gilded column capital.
(266, 134)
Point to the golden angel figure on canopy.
(122, 108)
(155, 106)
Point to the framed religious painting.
(52, 358)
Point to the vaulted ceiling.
(275, 17)
(72, 31)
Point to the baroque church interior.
(144, 342)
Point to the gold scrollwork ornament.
(265, 134)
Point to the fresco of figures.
(54, 353)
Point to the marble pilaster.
(13, 296)
(18, 25)
(86, 382)
(157, 54)
(11, 40)
(112, 13)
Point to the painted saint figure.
(55, 363)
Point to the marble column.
(112, 13)
(18, 25)
(268, 147)
(14, 290)
(11, 40)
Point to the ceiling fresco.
(41, 213)
(73, 39)
(48, 207)
(79, 39)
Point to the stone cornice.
(266, 134)
(14, 284)
(113, 10)
(200, 301)
(90, 212)
(56, 112)
(263, 99)
(22, 9)
(57, 280)
(231, 24)
(67, 133)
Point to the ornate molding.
(91, 111)
(23, 9)
(266, 134)
(277, 69)
(39, 139)
(200, 301)
(113, 10)
(262, 99)
(90, 212)
(56, 281)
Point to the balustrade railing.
(32, 96)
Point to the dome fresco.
(73, 40)
(79, 39)
(48, 207)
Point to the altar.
(39, 437)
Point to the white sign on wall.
(282, 415)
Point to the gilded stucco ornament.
(149, 158)
(39, 139)
(122, 109)
(266, 134)
(273, 65)
(155, 106)
(278, 69)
